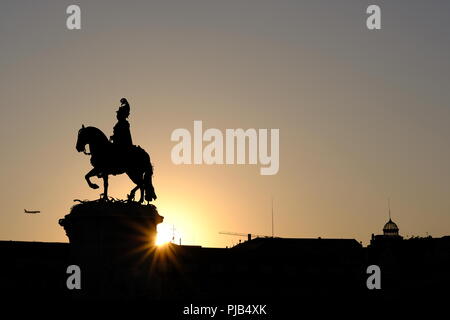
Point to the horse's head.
(82, 140)
(92, 136)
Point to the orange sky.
(363, 116)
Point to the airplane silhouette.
(31, 211)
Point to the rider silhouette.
(121, 137)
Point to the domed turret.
(390, 233)
(390, 228)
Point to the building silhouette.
(260, 269)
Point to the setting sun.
(166, 234)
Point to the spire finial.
(389, 207)
(272, 216)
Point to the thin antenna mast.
(272, 216)
(389, 207)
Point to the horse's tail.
(148, 185)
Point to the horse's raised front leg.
(93, 172)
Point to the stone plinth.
(106, 231)
(113, 243)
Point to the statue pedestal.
(109, 240)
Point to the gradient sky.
(363, 115)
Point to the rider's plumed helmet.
(124, 109)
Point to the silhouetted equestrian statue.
(117, 157)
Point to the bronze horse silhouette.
(107, 159)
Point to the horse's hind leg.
(139, 181)
(140, 185)
(132, 193)
(142, 192)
